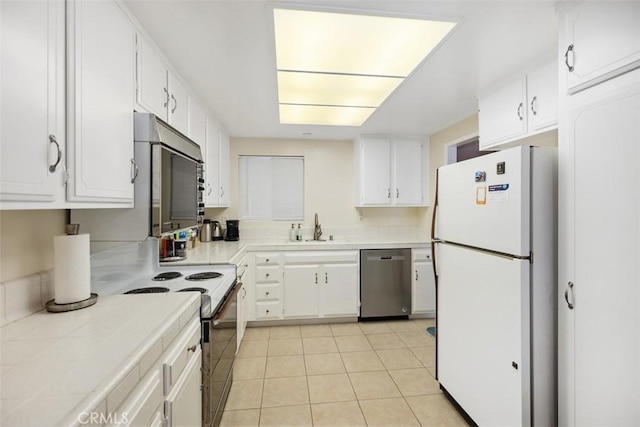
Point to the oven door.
(219, 349)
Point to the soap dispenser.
(292, 234)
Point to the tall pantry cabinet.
(599, 218)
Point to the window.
(271, 187)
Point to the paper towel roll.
(71, 268)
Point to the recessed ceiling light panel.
(354, 44)
(323, 115)
(336, 68)
(334, 89)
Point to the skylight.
(337, 68)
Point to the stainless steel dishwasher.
(385, 283)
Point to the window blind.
(271, 187)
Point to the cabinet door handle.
(326, 277)
(175, 104)
(166, 101)
(267, 260)
(210, 188)
(192, 348)
(397, 193)
(316, 278)
(221, 191)
(416, 275)
(52, 140)
(266, 275)
(267, 311)
(520, 111)
(266, 293)
(134, 170)
(566, 58)
(533, 108)
(566, 296)
(388, 193)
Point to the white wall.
(329, 189)
(26, 241)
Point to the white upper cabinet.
(32, 138)
(197, 129)
(152, 92)
(225, 179)
(503, 114)
(521, 109)
(542, 91)
(216, 167)
(212, 165)
(100, 102)
(602, 41)
(159, 89)
(390, 172)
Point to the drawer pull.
(267, 260)
(266, 275)
(192, 348)
(267, 311)
(266, 293)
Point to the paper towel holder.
(51, 306)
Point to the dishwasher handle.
(386, 258)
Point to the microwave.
(177, 182)
(168, 188)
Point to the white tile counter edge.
(223, 252)
(173, 311)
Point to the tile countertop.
(56, 366)
(223, 252)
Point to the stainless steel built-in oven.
(219, 344)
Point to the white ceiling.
(225, 51)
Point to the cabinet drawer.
(268, 310)
(423, 255)
(268, 274)
(271, 258)
(269, 292)
(179, 354)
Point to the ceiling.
(225, 51)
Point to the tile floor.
(346, 374)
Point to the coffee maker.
(233, 231)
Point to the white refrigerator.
(495, 260)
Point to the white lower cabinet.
(320, 284)
(183, 406)
(144, 404)
(242, 271)
(423, 287)
(182, 379)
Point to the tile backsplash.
(22, 297)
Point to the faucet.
(317, 230)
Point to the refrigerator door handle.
(433, 232)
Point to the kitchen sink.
(318, 242)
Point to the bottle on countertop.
(292, 234)
(299, 234)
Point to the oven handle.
(223, 310)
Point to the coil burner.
(167, 276)
(151, 290)
(194, 289)
(203, 276)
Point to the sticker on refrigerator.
(481, 176)
(498, 193)
(481, 195)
